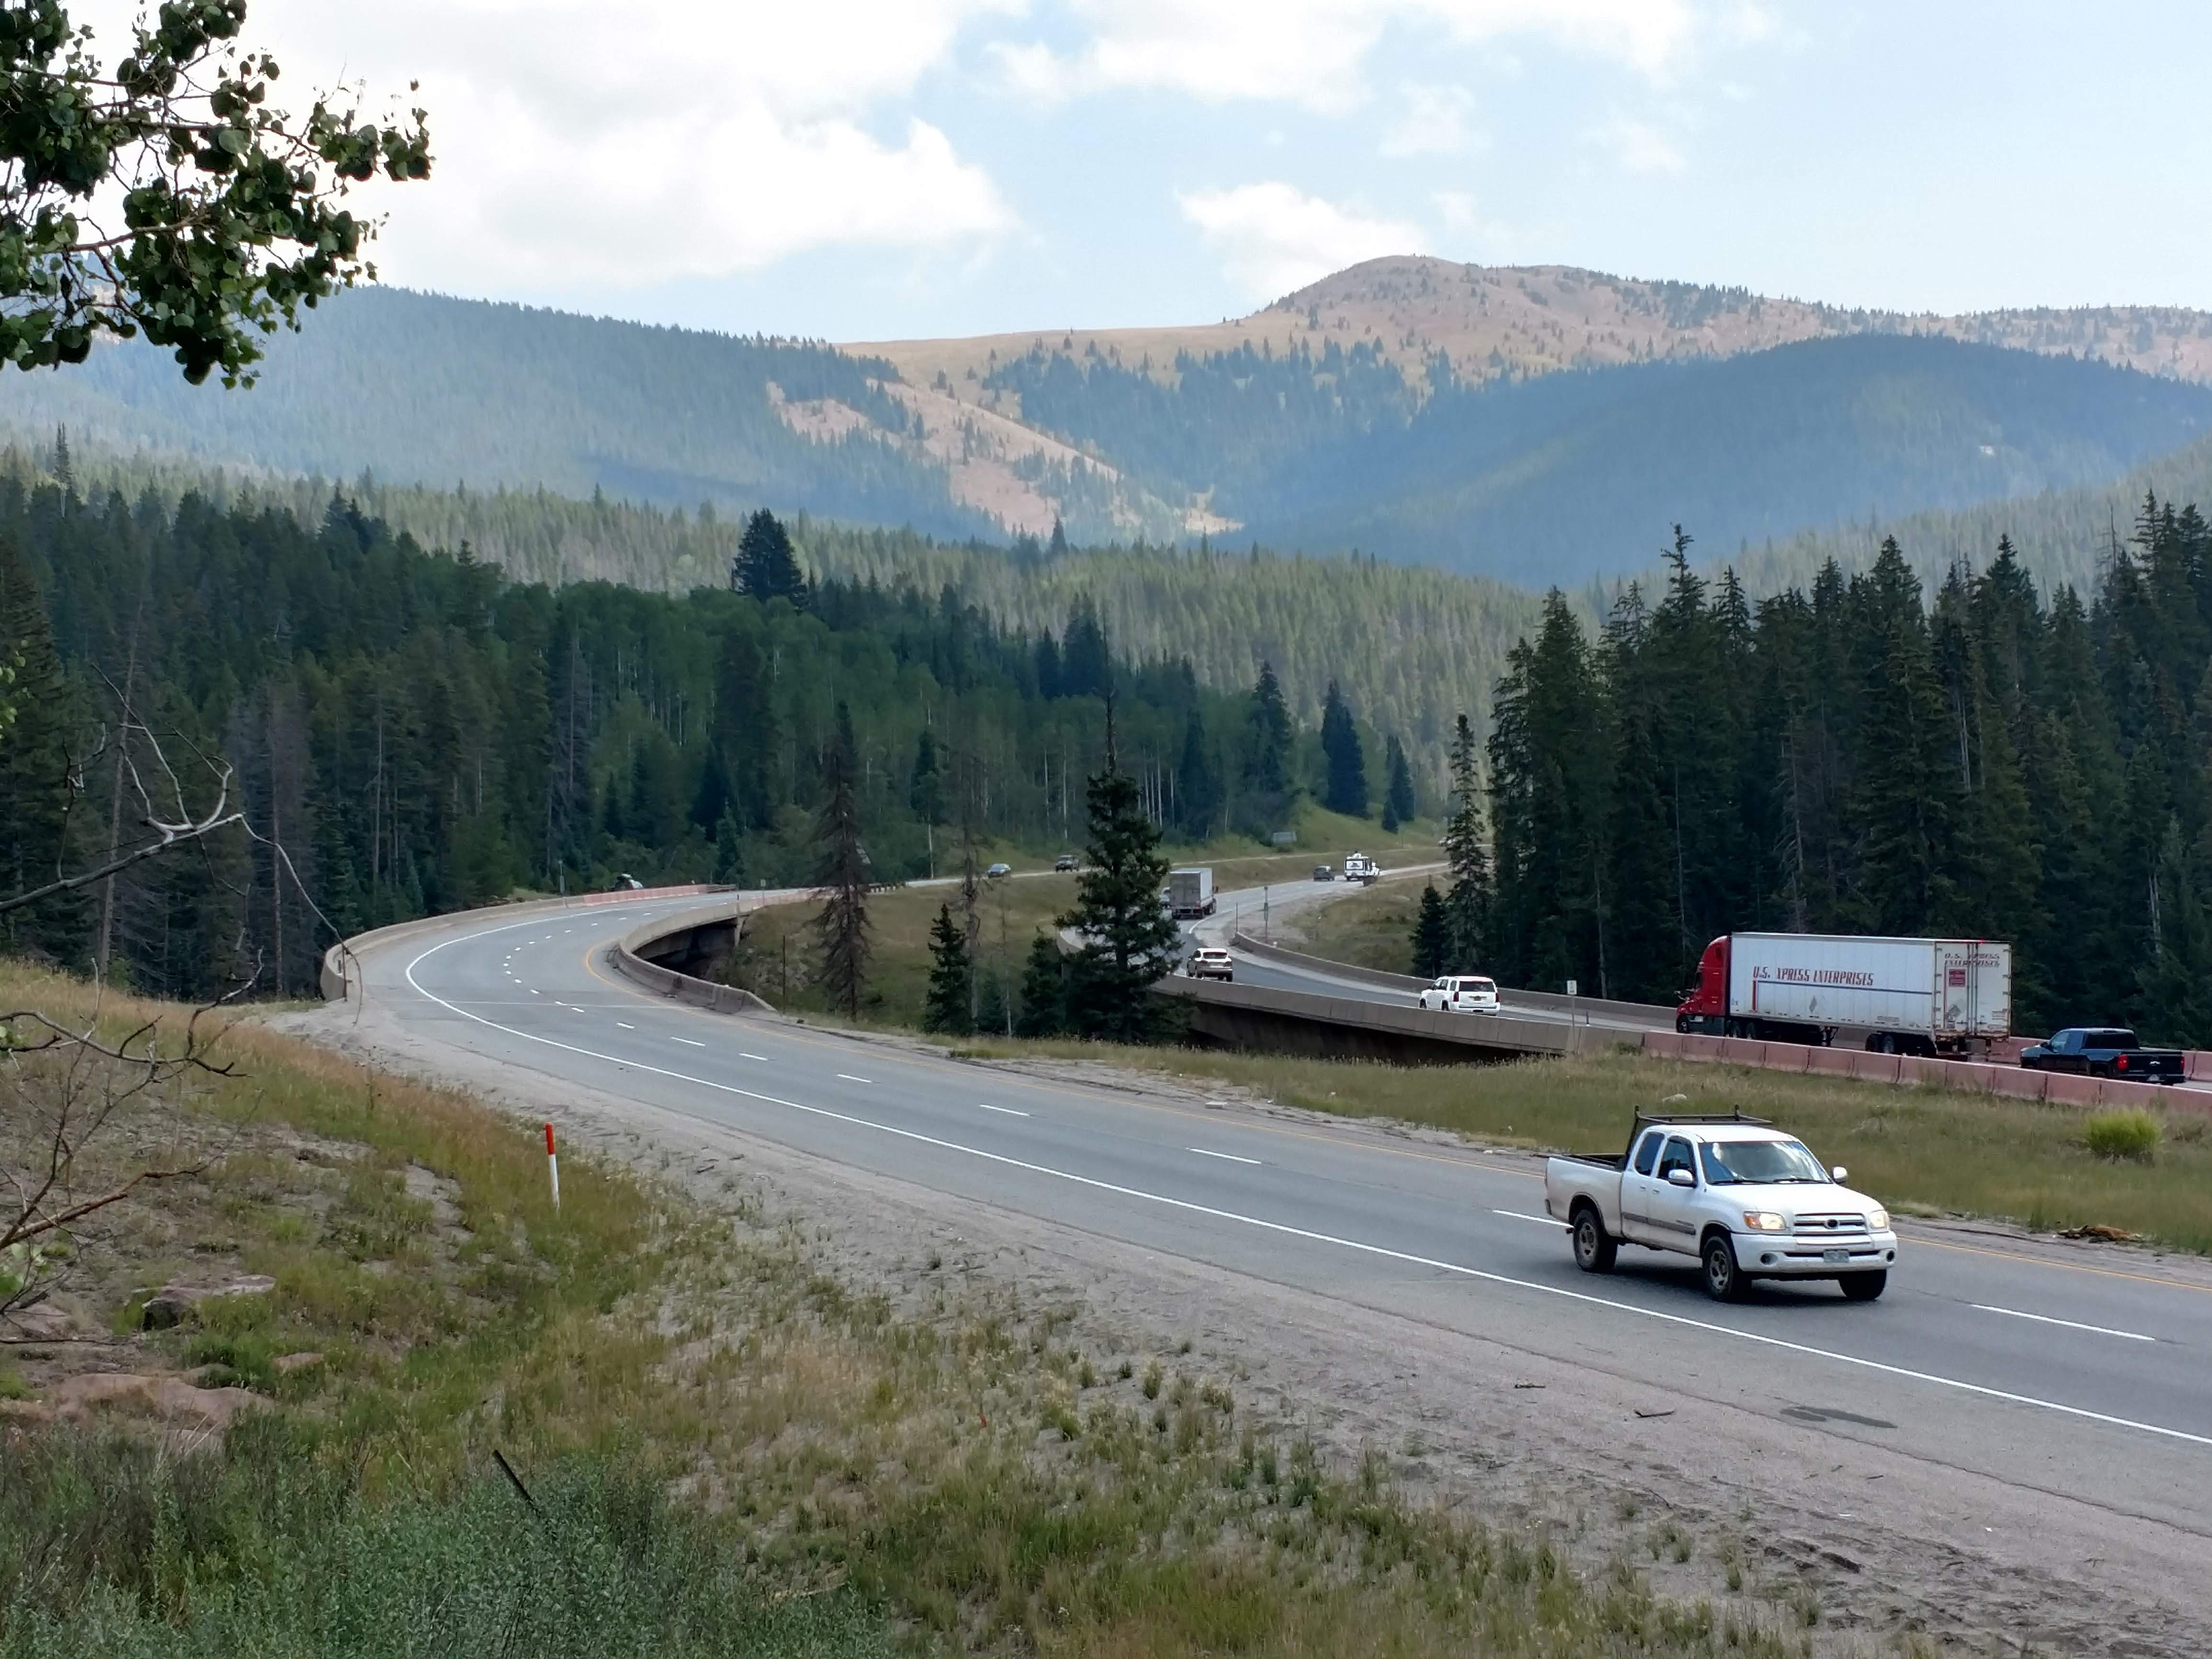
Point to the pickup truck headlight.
(1878, 1219)
(1765, 1221)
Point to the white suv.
(1211, 962)
(1457, 993)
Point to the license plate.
(1835, 1255)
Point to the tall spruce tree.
(1400, 805)
(947, 1008)
(1470, 909)
(1198, 781)
(1268, 751)
(1903, 802)
(1129, 941)
(1346, 789)
(1044, 990)
(41, 836)
(1431, 937)
(841, 925)
(767, 565)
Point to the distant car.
(1066, 862)
(626, 883)
(1460, 993)
(2106, 1051)
(1322, 873)
(1211, 962)
(997, 871)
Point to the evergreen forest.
(411, 731)
(1853, 756)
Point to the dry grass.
(1933, 1152)
(949, 1460)
(1372, 927)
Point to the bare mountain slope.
(1494, 321)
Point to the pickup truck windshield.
(1759, 1163)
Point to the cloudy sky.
(867, 169)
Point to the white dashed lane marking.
(1227, 1158)
(1008, 1111)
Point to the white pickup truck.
(1744, 1200)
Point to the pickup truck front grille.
(1839, 1226)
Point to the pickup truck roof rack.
(1737, 1117)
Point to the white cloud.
(624, 142)
(1273, 238)
(1309, 52)
(1432, 121)
(1640, 147)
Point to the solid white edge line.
(1541, 1220)
(1230, 1157)
(1286, 1230)
(986, 1106)
(2070, 1324)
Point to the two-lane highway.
(2085, 1378)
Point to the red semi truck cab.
(1709, 1000)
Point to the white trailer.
(1190, 892)
(1922, 996)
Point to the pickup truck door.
(1637, 1181)
(1671, 1218)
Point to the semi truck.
(1902, 996)
(1190, 892)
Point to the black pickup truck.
(2104, 1051)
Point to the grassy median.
(725, 1447)
(1928, 1152)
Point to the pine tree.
(1129, 941)
(39, 834)
(1904, 795)
(952, 978)
(841, 925)
(1346, 790)
(743, 732)
(767, 566)
(1431, 937)
(1086, 663)
(729, 853)
(1044, 990)
(1399, 805)
(1268, 751)
(1198, 783)
(1469, 907)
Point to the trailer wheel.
(1595, 1248)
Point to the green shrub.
(2132, 1133)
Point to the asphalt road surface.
(2078, 1377)
(1253, 909)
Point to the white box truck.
(1190, 892)
(1903, 996)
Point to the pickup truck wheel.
(1725, 1280)
(1595, 1248)
(1865, 1287)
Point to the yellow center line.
(1467, 1161)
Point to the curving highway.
(2066, 1372)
